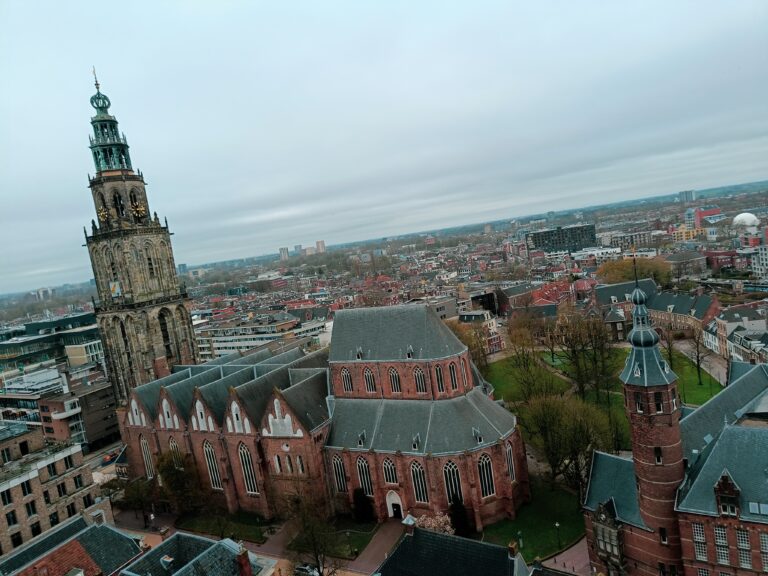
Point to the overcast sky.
(267, 124)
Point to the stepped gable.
(387, 333)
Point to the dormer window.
(638, 370)
(361, 439)
(477, 435)
(416, 442)
(359, 354)
(409, 352)
(614, 300)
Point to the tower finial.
(634, 265)
(95, 79)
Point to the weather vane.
(96, 80)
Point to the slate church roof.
(424, 553)
(387, 333)
(612, 480)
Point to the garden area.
(238, 526)
(503, 375)
(535, 526)
(347, 539)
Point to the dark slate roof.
(701, 427)
(108, 547)
(742, 453)
(685, 256)
(386, 333)
(518, 289)
(442, 426)
(695, 306)
(425, 553)
(195, 556)
(615, 314)
(612, 480)
(41, 545)
(307, 398)
(653, 369)
(149, 393)
(621, 291)
(739, 314)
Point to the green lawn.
(536, 521)
(238, 526)
(688, 381)
(616, 413)
(353, 537)
(503, 376)
(620, 357)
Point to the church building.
(394, 408)
(693, 497)
(144, 324)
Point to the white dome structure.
(746, 219)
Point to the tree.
(362, 506)
(181, 483)
(472, 336)
(573, 341)
(318, 541)
(139, 495)
(460, 521)
(668, 343)
(545, 421)
(525, 368)
(699, 350)
(600, 360)
(616, 271)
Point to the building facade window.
(464, 372)
(745, 551)
(149, 468)
(394, 380)
(721, 545)
(421, 381)
(10, 518)
(390, 472)
(510, 454)
(300, 464)
(249, 474)
(452, 374)
(6, 497)
(278, 464)
(419, 479)
(764, 550)
(364, 474)
(26, 488)
(452, 482)
(699, 541)
(213, 467)
(346, 380)
(370, 381)
(607, 539)
(288, 464)
(439, 379)
(178, 463)
(78, 482)
(339, 474)
(485, 471)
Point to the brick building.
(692, 497)
(40, 486)
(394, 408)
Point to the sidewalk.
(574, 560)
(381, 544)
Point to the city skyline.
(438, 118)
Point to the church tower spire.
(653, 409)
(144, 324)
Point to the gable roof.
(386, 334)
(686, 304)
(307, 398)
(39, 546)
(427, 552)
(605, 292)
(612, 480)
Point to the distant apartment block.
(320, 246)
(283, 254)
(562, 238)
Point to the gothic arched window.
(175, 454)
(394, 380)
(421, 382)
(419, 479)
(510, 461)
(346, 380)
(370, 381)
(117, 201)
(149, 468)
(213, 467)
(249, 474)
(452, 482)
(485, 471)
(452, 373)
(390, 472)
(439, 377)
(364, 473)
(339, 474)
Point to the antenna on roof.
(95, 79)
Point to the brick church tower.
(653, 408)
(144, 325)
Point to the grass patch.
(505, 378)
(562, 364)
(688, 381)
(353, 537)
(536, 521)
(616, 413)
(238, 526)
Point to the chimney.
(409, 522)
(166, 562)
(512, 548)
(243, 562)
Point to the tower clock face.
(138, 210)
(102, 213)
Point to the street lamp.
(557, 527)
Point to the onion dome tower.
(653, 408)
(144, 324)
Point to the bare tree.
(699, 350)
(572, 344)
(473, 337)
(317, 541)
(525, 366)
(668, 342)
(599, 357)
